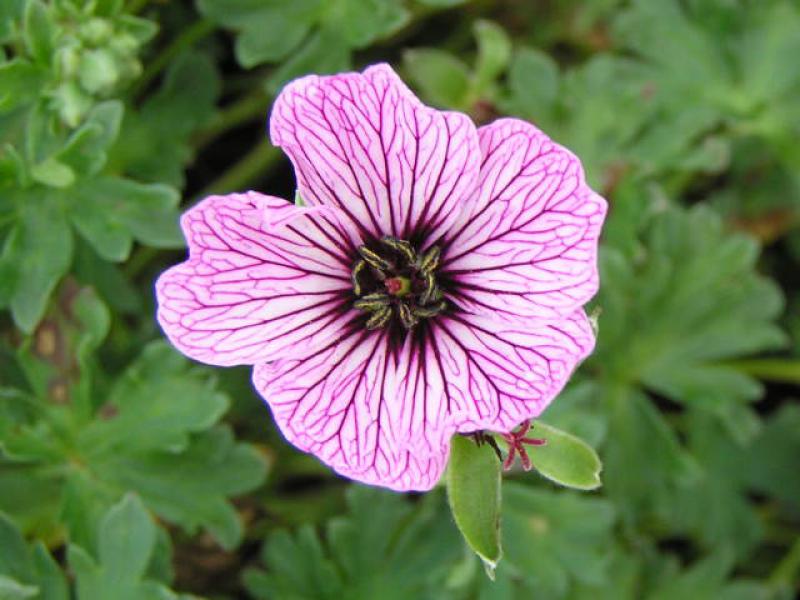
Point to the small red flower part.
(516, 441)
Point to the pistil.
(392, 282)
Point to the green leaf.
(10, 589)
(190, 488)
(533, 85)
(279, 35)
(552, 538)
(473, 489)
(40, 31)
(323, 52)
(53, 173)
(383, 547)
(269, 31)
(85, 150)
(98, 72)
(39, 252)
(361, 22)
(565, 459)
(153, 406)
(641, 483)
(110, 212)
(441, 3)
(441, 78)
(11, 13)
(494, 52)
(155, 142)
(20, 83)
(126, 542)
(771, 463)
(27, 572)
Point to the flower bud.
(71, 103)
(98, 72)
(95, 31)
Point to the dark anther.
(429, 295)
(401, 247)
(425, 312)
(359, 266)
(372, 302)
(374, 260)
(379, 318)
(394, 284)
(430, 260)
(406, 315)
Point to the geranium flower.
(432, 284)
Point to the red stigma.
(393, 285)
(516, 441)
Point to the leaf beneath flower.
(473, 488)
(565, 459)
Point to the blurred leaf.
(565, 459)
(533, 82)
(314, 36)
(154, 145)
(771, 464)
(384, 547)
(20, 83)
(323, 52)
(694, 300)
(39, 31)
(38, 253)
(441, 78)
(85, 151)
(27, 572)
(494, 52)
(153, 406)
(552, 538)
(191, 488)
(361, 22)
(473, 489)
(111, 212)
(126, 541)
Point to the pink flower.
(433, 284)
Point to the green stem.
(785, 575)
(254, 165)
(780, 370)
(139, 260)
(197, 31)
(136, 6)
(243, 110)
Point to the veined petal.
(340, 403)
(264, 279)
(384, 414)
(499, 374)
(529, 247)
(366, 145)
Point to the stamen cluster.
(391, 280)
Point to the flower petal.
(383, 413)
(366, 145)
(497, 375)
(264, 278)
(529, 248)
(342, 403)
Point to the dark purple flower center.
(392, 282)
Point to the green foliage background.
(126, 472)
